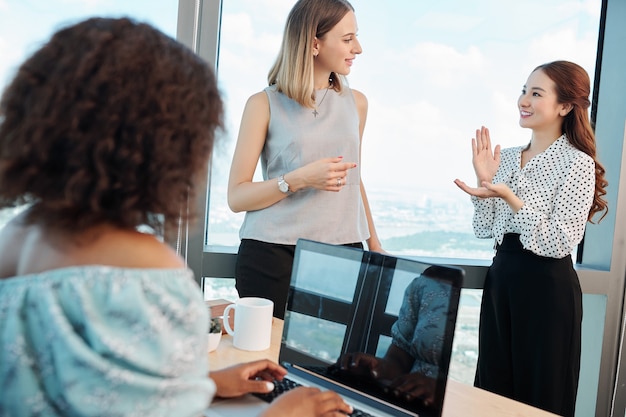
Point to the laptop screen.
(380, 325)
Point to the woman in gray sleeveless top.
(306, 129)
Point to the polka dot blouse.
(557, 187)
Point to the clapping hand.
(486, 162)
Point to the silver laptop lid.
(349, 308)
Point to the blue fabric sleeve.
(90, 341)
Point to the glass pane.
(319, 272)
(401, 280)
(324, 338)
(433, 72)
(465, 347)
(25, 25)
(220, 288)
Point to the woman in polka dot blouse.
(535, 200)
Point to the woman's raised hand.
(486, 163)
(484, 160)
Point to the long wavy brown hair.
(573, 87)
(111, 121)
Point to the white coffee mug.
(253, 323)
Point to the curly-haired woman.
(106, 128)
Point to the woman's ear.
(315, 48)
(565, 109)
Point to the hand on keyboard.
(280, 387)
(247, 377)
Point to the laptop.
(349, 306)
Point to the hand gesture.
(486, 190)
(246, 378)
(327, 174)
(484, 160)
(308, 402)
(486, 163)
(493, 190)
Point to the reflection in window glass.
(25, 25)
(401, 280)
(323, 338)
(465, 346)
(318, 273)
(433, 72)
(383, 345)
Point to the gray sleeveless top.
(295, 138)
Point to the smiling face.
(338, 48)
(539, 107)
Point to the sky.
(433, 72)
(25, 24)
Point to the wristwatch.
(282, 184)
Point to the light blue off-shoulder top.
(103, 341)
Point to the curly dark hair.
(111, 121)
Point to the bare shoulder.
(361, 107)
(30, 248)
(360, 99)
(358, 95)
(254, 125)
(256, 113)
(132, 249)
(258, 101)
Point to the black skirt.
(530, 329)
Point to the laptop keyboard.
(279, 387)
(287, 384)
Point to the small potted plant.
(215, 333)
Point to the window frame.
(602, 265)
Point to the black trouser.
(530, 329)
(264, 270)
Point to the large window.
(433, 72)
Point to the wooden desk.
(461, 399)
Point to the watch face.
(282, 186)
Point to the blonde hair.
(292, 72)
